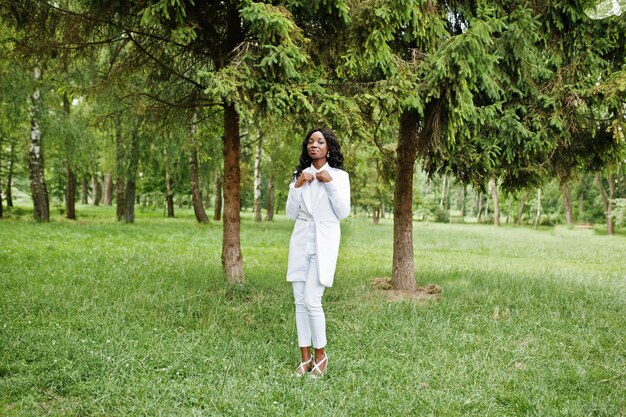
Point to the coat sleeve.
(294, 200)
(339, 194)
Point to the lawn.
(99, 318)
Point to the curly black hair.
(334, 159)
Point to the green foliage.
(619, 212)
(441, 216)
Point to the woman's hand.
(304, 177)
(323, 176)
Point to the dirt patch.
(429, 292)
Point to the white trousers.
(310, 319)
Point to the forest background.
(513, 112)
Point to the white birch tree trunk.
(38, 188)
(257, 180)
(496, 202)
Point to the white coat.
(333, 203)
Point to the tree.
(38, 187)
(257, 179)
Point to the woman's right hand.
(304, 177)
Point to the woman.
(319, 196)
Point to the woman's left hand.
(323, 176)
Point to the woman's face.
(317, 147)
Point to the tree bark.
(520, 210)
(217, 209)
(169, 195)
(120, 154)
(39, 192)
(257, 180)
(84, 190)
(269, 215)
(403, 277)
(508, 210)
(107, 189)
(95, 190)
(566, 191)
(232, 258)
(479, 215)
(70, 192)
(196, 194)
(131, 175)
(443, 192)
(463, 195)
(9, 193)
(607, 201)
(496, 202)
(538, 213)
(38, 188)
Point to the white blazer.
(333, 203)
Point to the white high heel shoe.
(301, 370)
(316, 372)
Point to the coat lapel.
(306, 195)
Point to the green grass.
(101, 319)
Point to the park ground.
(99, 318)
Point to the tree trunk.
(538, 213)
(520, 210)
(443, 192)
(257, 180)
(9, 192)
(403, 277)
(38, 189)
(508, 210)
(120, 154)
(232, 259)
(567, 204)
(463, 195)
(382, 210)
(269, 210)
(169, 195)
(70, 177)
(84, 190)
(479, 215)
(607, 201)
(70, 192)
(107, 189)
(131, 175)
(496, 202)
(376, 215)
(95, 190)
(196, 194)
(217, 209)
